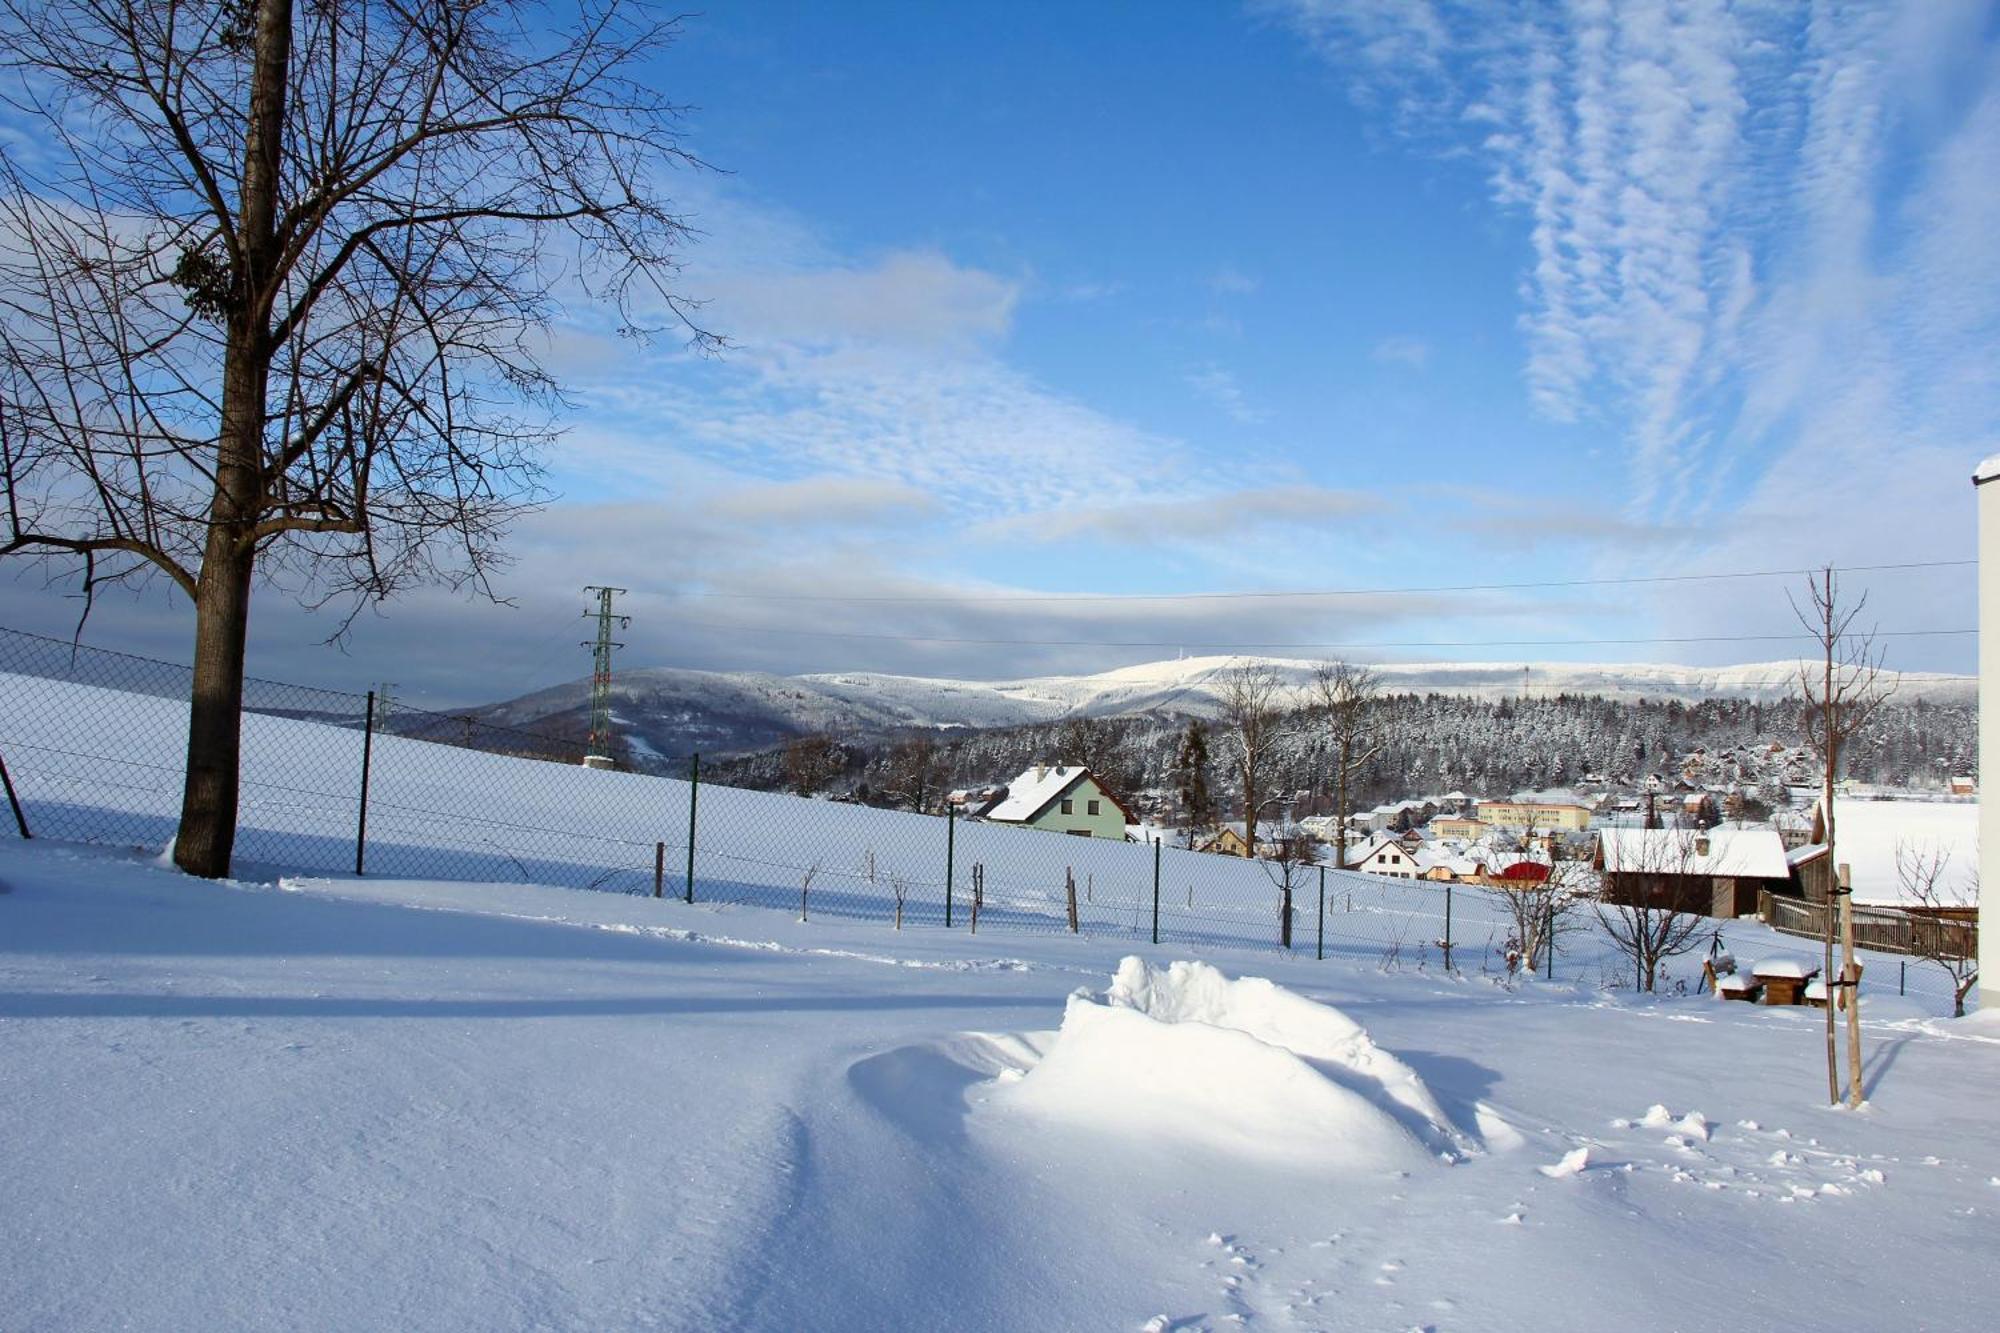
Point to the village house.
(1538, 815)
(1715, 872)
(1457, 826)
(1393, 858)
(1065, 798)
(1227, 839)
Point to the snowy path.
(411, 1104)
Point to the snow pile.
(1186, 1055)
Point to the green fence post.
(694, 798)
(1549, 940)
(367, 762)
(1319, 949)
(1156, 890)
(20, 820)
(950, 854)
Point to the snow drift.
(1188, 1056)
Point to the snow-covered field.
(451, 1094)
(103, 766)
(376, 1104)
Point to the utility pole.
(598, 753)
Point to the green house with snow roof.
(1063, 798)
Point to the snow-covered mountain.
(674, 711)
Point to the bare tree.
(1838, 693)
(915, 774)
(272, 283)
(812, 763)
(1641, 903)
(805, 887)
(1345, 697)
(1539, 913)
(1251, 710)
(900, 887)
(1296, 857)
(1934, 937)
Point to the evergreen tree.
(1190, 778)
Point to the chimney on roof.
(1041, 770)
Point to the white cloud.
(920, 298)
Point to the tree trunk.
(1340, 810)
(1249, 809)
(207, 835)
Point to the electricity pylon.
(598, 753)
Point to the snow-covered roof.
(1757, 853)
(1986, 471)
(1782, 965)
(1866, 835)
(1028, 794)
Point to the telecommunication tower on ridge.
(597, 754)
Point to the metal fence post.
(7, 780)
(950, 854)
(1902, 975)
(1319, 949)
(1156, 890)
(694, 798)
(1549, 940)
(659, 868)
(1447, 926)
(367, 764)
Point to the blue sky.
(1109, 299)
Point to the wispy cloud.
(823, 502)
(1712, 258)
(1402, 349)
(1221, 389)
(1236, 515)
(1230, 280)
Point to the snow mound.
(1186, 1055)
(1572, 1164)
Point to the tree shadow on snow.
(64, 1004)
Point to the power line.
(1240, 647)
(988, 599)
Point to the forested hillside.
(1429, 744)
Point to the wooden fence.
(1885, 930)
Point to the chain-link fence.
(339, 783)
